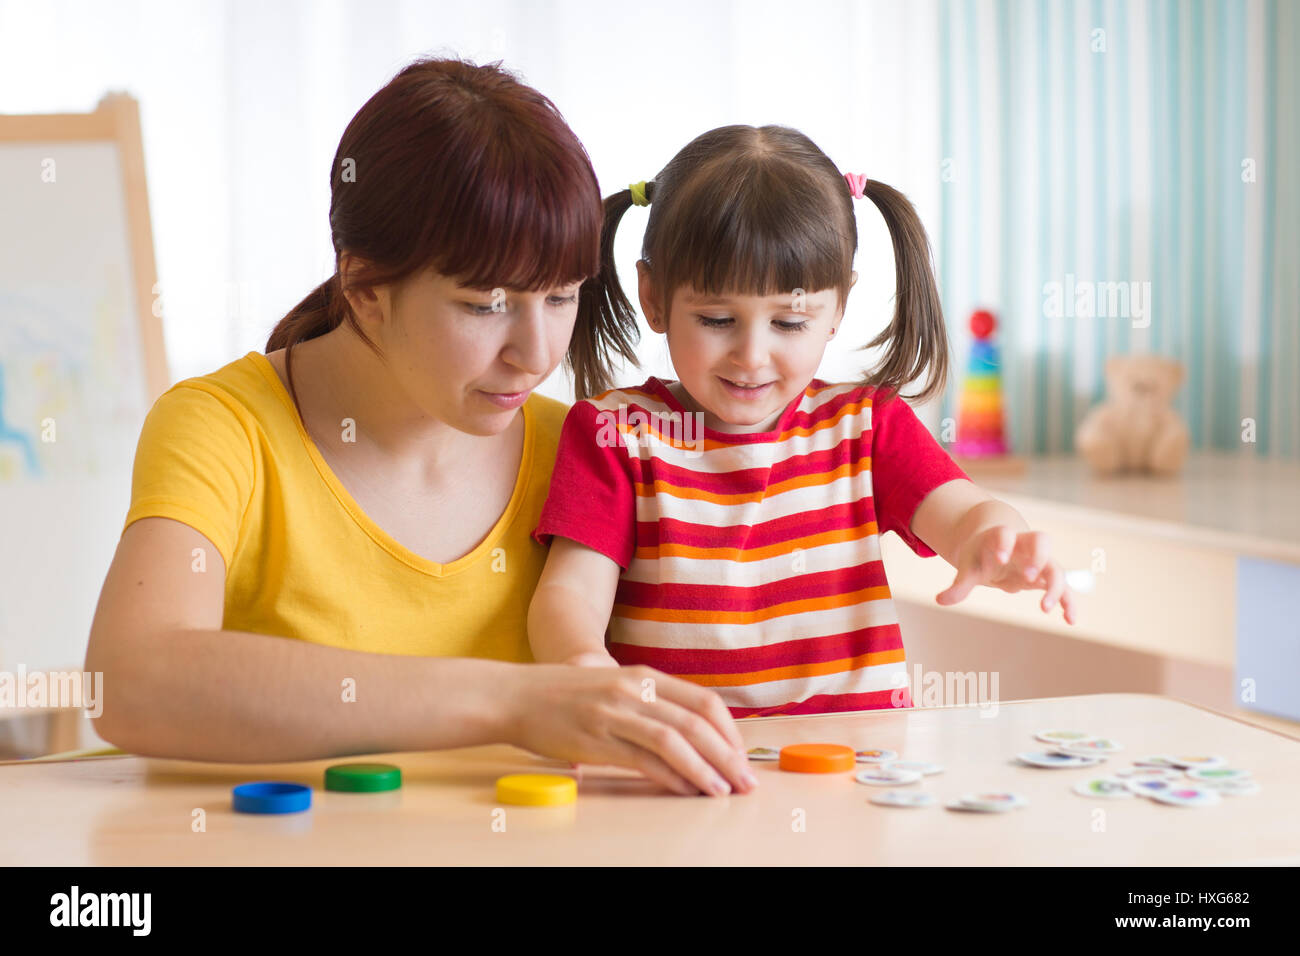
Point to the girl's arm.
(174, 684)
(571, 607)
(988, 542)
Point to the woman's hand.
(677, 733)
(1001, 558)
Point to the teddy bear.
(1136, 427)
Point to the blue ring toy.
(271, 797)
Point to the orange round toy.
(817, 758)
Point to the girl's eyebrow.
(723, 300)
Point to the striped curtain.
(1120, 176)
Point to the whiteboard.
(74, 389)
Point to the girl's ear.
(646, 293)
(854, 280)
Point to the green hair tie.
(638, 194)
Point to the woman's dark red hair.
(463, 170)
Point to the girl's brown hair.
(761, 211)
(464, 170)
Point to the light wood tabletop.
(1235, 502)
(136, 811)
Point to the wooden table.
(137, 811)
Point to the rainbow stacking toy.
(979, 410)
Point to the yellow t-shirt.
(227, 455)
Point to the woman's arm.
(571, 607)
(176, 685)
(988, 542)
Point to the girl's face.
(741, 359)
(469, 357)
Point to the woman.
(328, 548)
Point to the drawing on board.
(70, 365)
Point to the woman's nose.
(528, 345)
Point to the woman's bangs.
(534, 226)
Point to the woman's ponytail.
(916, 337)
(606, 325)
(320, 312)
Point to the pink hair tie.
(856, 181)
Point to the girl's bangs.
(759, 241)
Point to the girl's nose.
(751, 351)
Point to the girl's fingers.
(1004, 544)
(1054, 581)
(993, 551)
(962, 585)
(1032, 553)
(1069, 606)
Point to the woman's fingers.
(676, 732)
(636, 757)
(659, 739)
(703, 725)
(708, 705)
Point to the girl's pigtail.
(916, 337)
(606, 325)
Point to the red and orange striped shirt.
(751, 561)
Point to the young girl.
(724, 528)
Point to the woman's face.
(469, 357)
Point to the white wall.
(243, 104)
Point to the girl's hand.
(1001, 558)
(677, 733)
(592, 659)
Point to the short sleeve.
(592, 498)
(906, 465)
(193, 464)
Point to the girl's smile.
(746, 393)
(742, 359)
